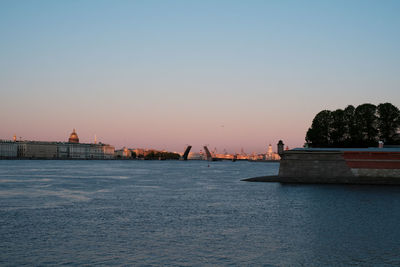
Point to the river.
(174, 213)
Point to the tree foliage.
(154, 155)
(363, 126)
(388, 123)
(318, 134)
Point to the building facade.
(55, 150)
(37, 150)
(85, 151)
(8, 149)
(123, 153)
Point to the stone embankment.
(338, 166)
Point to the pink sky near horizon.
(170, 130)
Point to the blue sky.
(163, 74)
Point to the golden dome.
(73, 138)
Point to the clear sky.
(163, 74)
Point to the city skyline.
(95, 140)
(163, 74)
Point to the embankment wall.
(339, 167)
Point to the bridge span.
(186, 154)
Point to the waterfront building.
(78, 151)
(224, 156)
(119, 154)
(242, 157)
(256, 157)
(123, 153)
(85, 151)
(196, 156)
(8, 149)
(36, 150)
(75, 150)
(55, 150)
(270, 155)
(108, 151)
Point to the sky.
(164, 74)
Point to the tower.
(269, 152)
(280, 148)
(73, 138)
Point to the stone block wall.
(314, 166)
(339, 167)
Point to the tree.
(388, 123)
(365, 121)
(337, 131)
(155, 155)
(363, 126)
(350, 130)
(318, 134)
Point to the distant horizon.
(163, 74)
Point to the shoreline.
(315, 180)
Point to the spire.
(95, 139)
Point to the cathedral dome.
(73, 138)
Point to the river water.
(151, 213)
